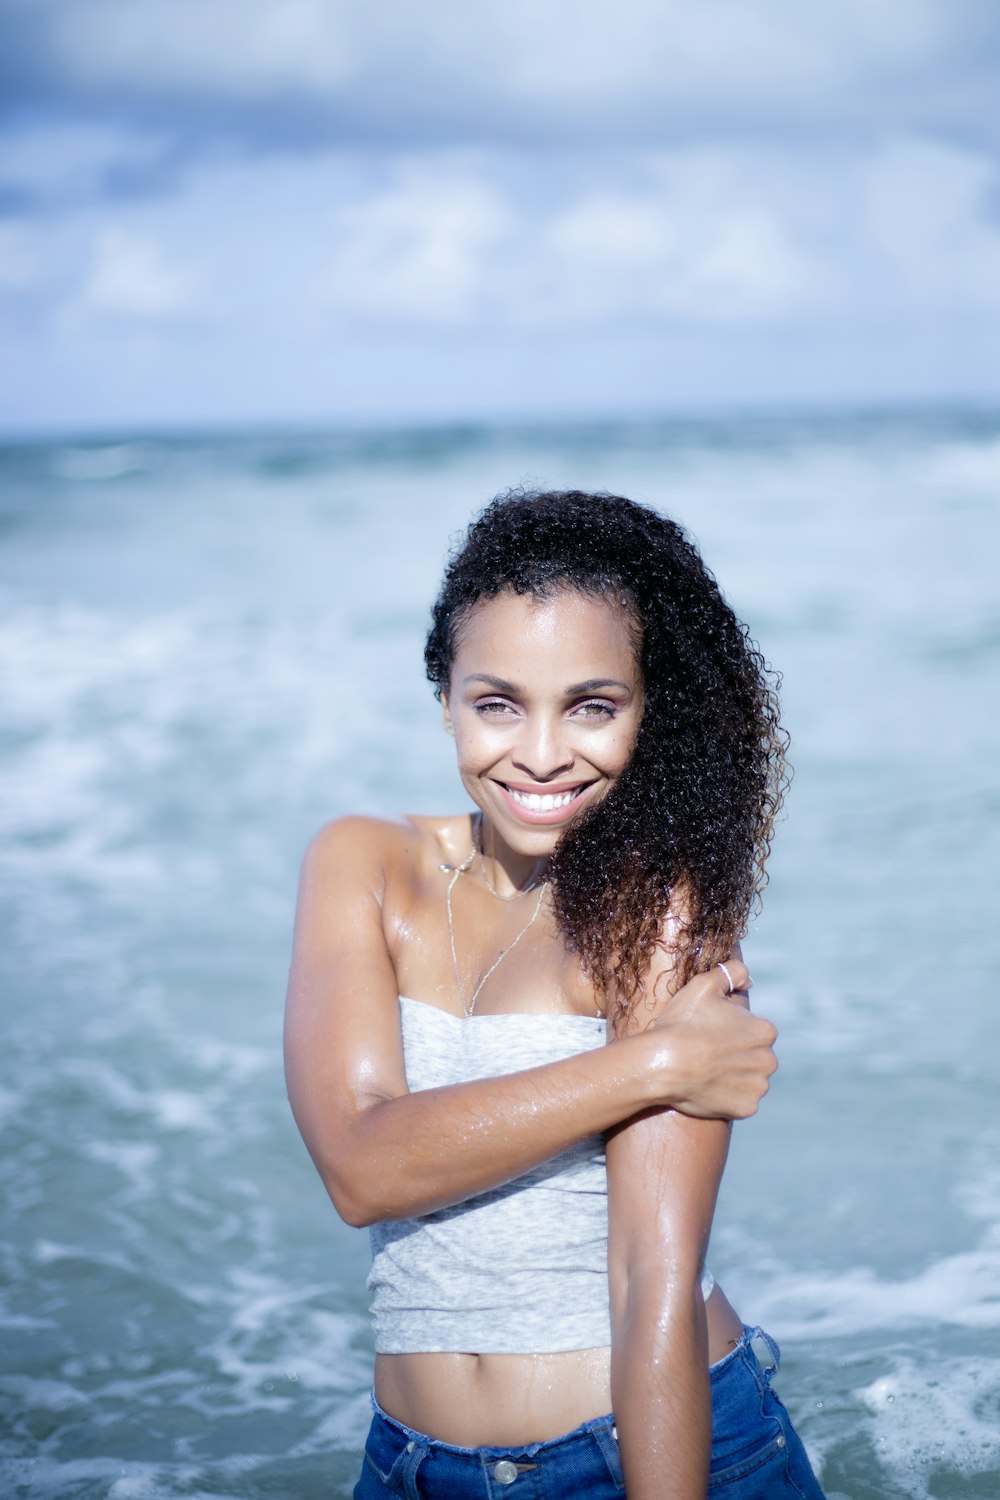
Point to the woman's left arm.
(664, 1171)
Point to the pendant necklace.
(469, 1006)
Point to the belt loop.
(404, 1470)
(766, 1352)
(605, 1435)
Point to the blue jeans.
(756, 1453)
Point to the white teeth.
(542, 801)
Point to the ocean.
(211, 643)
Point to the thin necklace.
(457, 870)
(522, 891)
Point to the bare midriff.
(498, 1400)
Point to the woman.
(515, 1038)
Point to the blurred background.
(288, 290)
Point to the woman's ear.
(449, 727)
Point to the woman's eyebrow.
(499, 683)
(595, 684)
(592, 685)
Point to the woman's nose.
(541, 750)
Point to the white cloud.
(673, 238)
(130, 277)
(420, 249)
(475, 242)
(927, 208)
(695, 242)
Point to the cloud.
(692, 237)
(469, 243)
(641, 73)
(131, 278)
(931, 211)
(264, 201)
(703, 239)
(421, 249)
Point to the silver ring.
(729, 977)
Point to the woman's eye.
(494, 708)
(595, 710)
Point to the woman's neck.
(504, 871)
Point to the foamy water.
(207, 647)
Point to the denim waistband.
(584, 1461)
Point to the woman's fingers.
(734, 975)
(722, 1051)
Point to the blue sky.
(326, 210)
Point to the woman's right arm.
(384, 1153)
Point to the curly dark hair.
(686, 829)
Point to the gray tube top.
(519, 1269)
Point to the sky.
(335, 211)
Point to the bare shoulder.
(370, 840)
(383, 849)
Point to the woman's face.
(545, 699)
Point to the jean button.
(505, 1472)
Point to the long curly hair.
(685, 831)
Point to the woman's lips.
(553, 805)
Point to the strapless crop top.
(521, 1268)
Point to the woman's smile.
(553, 805)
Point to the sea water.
(209, 644)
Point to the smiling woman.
(515, 1037)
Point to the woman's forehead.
(565, 626)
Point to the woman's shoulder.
(407, 845)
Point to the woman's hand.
(714, 1057)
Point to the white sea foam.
(49, 1253)
(934, 1415)
(48, 1395)
(135, 1159)
(124, 725)
(42, 1477)
(341, 1428)
(180, 1111)
(320, 1348)
(961, 1290)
